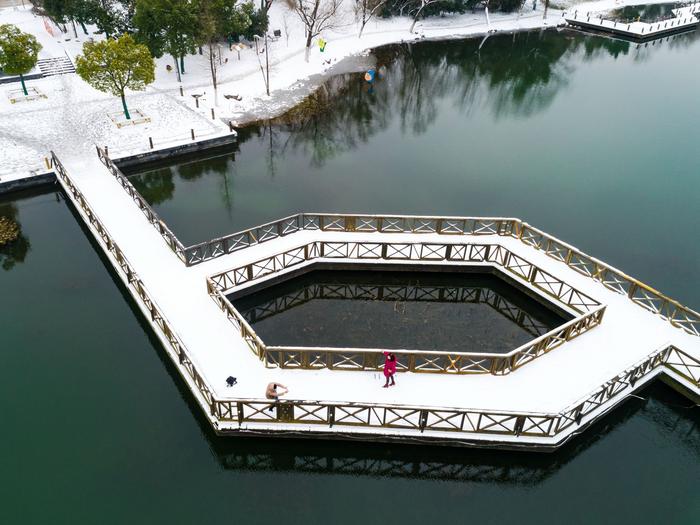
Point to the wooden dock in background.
(686, 18)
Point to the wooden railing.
(417, 361)
(152, 217)
(677, 314)
(311, 358)
(613, 279)
(389, 252)
(183, 362)
(455, 421)
(459, 422)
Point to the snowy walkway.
(684, 19)
(546, 385)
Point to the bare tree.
(265, 70)
(316, 15)
(365, 10)
(285, 22)
(418, 6)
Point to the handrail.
(369, 415)
(613, 279)
(441, 419)
(430, 361)
(590, 311)
(171, 240)
(186, 364)
(494, 254)
(678, 315)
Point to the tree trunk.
(24, 88)
(212, 67)
(75, 31)
(362, 28)
(267, 68)
(182, 63)
(415, 19)
(82, 24)
(177, 68)
(309, 38)
(126, 110)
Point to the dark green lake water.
(382, 309)
(593, 141)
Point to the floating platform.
(622, 334)
(684, 19)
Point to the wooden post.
(212, 114)
(192, 132)
(150, 142)
(230, 126)
(182, 93)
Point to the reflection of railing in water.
(393, 293)
(439, 463)
(381, 467)
(591, 312)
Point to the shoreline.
(29, 132)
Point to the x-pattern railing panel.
(582, 263)
(482, 422)
(415, 361)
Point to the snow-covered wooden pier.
(684, 18)
(622, 334)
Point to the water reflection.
(14, 245)
(158, 186)
(644, 13)
(381, 309)
(454, 129)
(514, 75)
(481, 466)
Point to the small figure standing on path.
(389, 368)
(274, 391)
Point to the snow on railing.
(345, 416)
(149, 212)
(184, 362)
(645, 296)
(590, 311)
(454, 421)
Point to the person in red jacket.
(389, 368)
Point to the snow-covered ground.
(75, 116)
